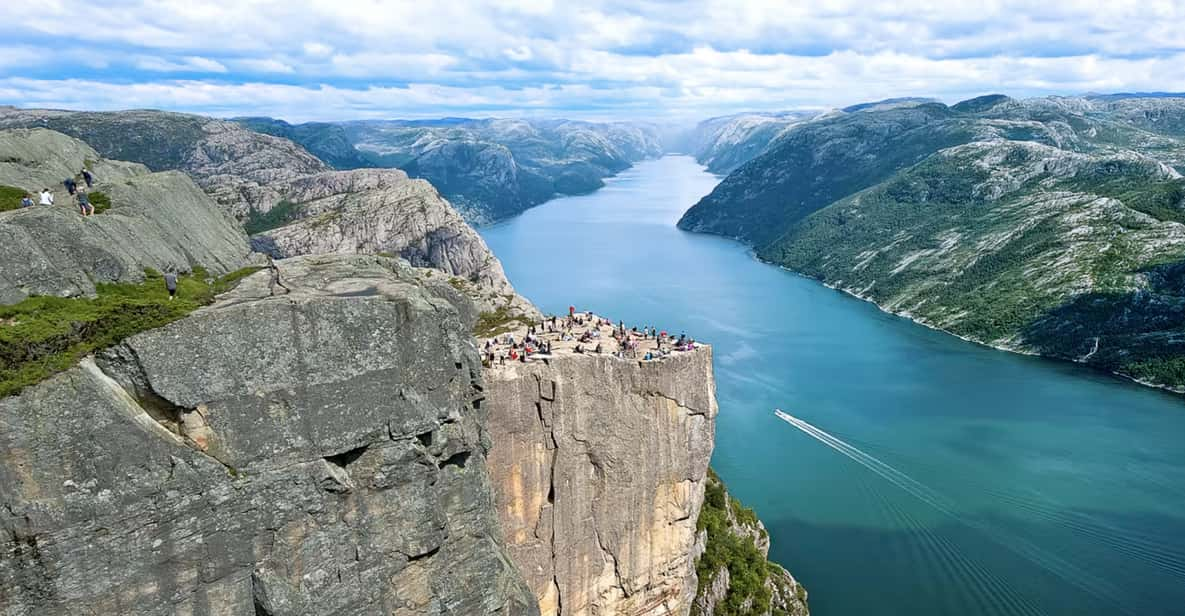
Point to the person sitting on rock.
(84, 204)
(71, 185)
(88, 178)
(46, 197)
(27, 201)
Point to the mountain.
(1053, 226)
(489, 169)
(725, 143)
(269, 183)
(159, 221)
(328, 142)
(238, 167)
(325, 436)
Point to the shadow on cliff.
(1140, 333)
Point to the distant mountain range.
(1051, 225)
(490, 169)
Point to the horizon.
(600, 61)
(657, 121)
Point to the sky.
(305, 60)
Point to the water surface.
(965, 481)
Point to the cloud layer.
(341, 59)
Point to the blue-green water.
(1010, 485)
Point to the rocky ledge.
(598, 464)
(309, 445)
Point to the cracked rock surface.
(320, 451)
(599, 465)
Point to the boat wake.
(982, 583)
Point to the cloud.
(336, 59)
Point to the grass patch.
(10, 198)
(281, 214)
(42, 336)
(500, 321)
(748, 569)
(100, 200)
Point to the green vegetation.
(1164, 199)
(10, 198)
(281, 214)
(1160, 370)
(42, 335)
(500, 321)
(748, 569)
(101, 201)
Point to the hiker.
(27, 201)
(571, 311)
(70, 185)
(84, 204)
(275, 278)
(171, 284)
(88, 178)
(46, 197)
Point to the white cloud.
(588, 58)
(192, 64)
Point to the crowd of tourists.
(584, 333)
(77, 194)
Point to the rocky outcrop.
(240, 168)
(599, 467)
(382, 211)
(267, 182)
(326, 456)
(157, 220)
(732, 539)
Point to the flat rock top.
(579, 336)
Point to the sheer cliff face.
(321, 451)
(599, 467)
(157, 220)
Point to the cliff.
(599, 466)
(735, 577)
(239, 168)
(1051, 226)
(156, 220)
(327, 456)
(294, 203)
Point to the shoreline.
(1178, 391)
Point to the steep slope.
(328, 142)
(329, 457)
(157, 220)
(268, 182)
(734, 574)
(494, 169)
(1050, 226)
(599, 493)
(727, 142)
(239, 168)
(818, 162)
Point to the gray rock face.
(382, 210)
(157, 220)
(236, 166)
(319, 451)
(599, 466)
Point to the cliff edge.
(599, 464)
(313, 452)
